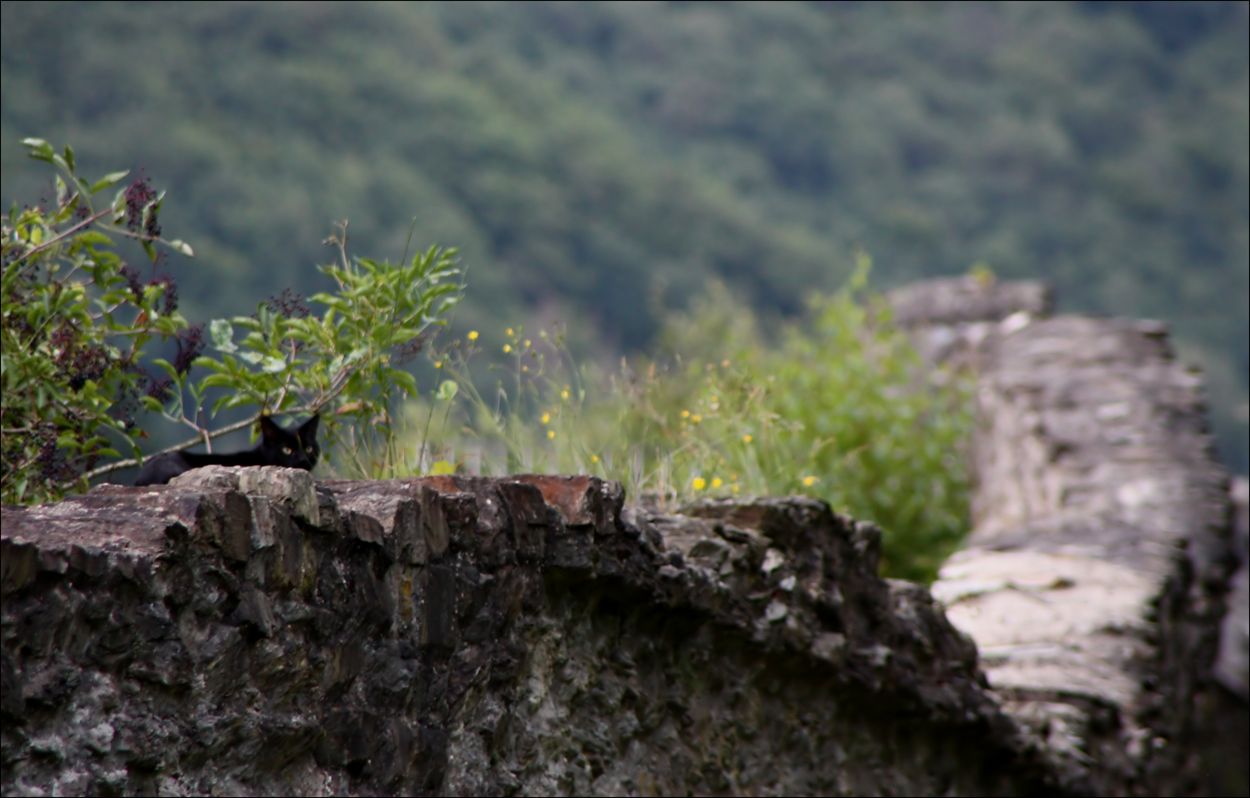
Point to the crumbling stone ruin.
(1098, 579)
(252, 631)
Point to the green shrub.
(343, 363)
(76, 318)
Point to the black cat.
(277, 447)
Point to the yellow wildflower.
(747, 439)
(716, 483)
(473, 335)
(438, 364)
(696, 418)
(809, 481)
(594, 458)
(698, 483)
(510, 333)
(564, 394)
(735, 488)
(685, 414)
(507, 347)
(551, 433)
(546, 417)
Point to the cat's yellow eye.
(286, 449)
(308, 449)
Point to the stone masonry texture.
(1102, 582)
(251, 631)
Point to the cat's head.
(290, 448)
(308, 439)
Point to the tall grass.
(836, 406)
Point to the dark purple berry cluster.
(170, 297)
(190, 346)
(76, 364)
(53, 466)
(159, 389)
(132, 281)
(138, 196)
(289, 304)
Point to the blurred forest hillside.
(598, 163)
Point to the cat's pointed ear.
(308, 430)
(269, 430)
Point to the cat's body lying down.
(296, 448)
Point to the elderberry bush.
(76, 318)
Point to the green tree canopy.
(600, 162)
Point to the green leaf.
(182, 247)
(39, 149)
(222, 333)
(404, 380)
(273, 365)
(256, 340)
(217, 381)
(208, 363)
(111, 179)
(93, 237)
(446, 391)
(119, 206)
(166, 366)
(356, 355)
(167, 325)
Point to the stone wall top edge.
(954, 300)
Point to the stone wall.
(249, 631)
(1098, 574)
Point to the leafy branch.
(76, 318)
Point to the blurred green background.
(599, 163)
